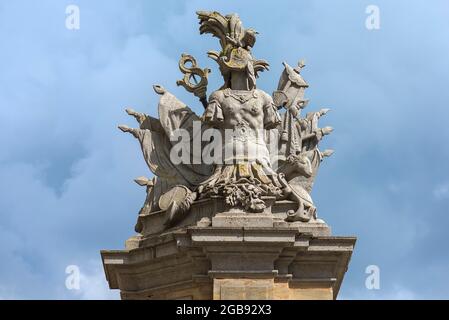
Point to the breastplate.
(244, 144)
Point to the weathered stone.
(243, 226)
(231, 263)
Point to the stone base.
(215, 212)
(282, 261)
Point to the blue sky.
(66, 189)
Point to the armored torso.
(242, 116)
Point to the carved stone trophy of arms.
(228, 213)
(247, 181)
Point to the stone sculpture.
(268, 151)
(228, 213)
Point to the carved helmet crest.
(236, 43)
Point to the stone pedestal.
(232, 261)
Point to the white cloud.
(394, 292)
(93, 284)
(441, 191)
